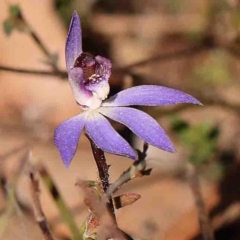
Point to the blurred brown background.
(189, 45)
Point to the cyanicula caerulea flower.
(88, 77)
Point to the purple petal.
(141, 124)
(149, 95)
(74, 41)
(67, 135)
(105, 137)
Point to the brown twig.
(127, 69)
(204, 221)
(21, 24)
(38, 212)
(195, 49)
(60, 74)
(52, 61)
(37, 40)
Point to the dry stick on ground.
(38, 212)
(204, 221)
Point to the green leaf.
(199, 140)
(8, 27)
(15, 11)
(178, 125)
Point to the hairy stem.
(103, 168)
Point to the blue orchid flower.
(88, 78)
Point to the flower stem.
(103, 168)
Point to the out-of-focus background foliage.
(193, 46)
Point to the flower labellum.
(88, 78)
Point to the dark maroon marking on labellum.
(87, 62)
(92, 68)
